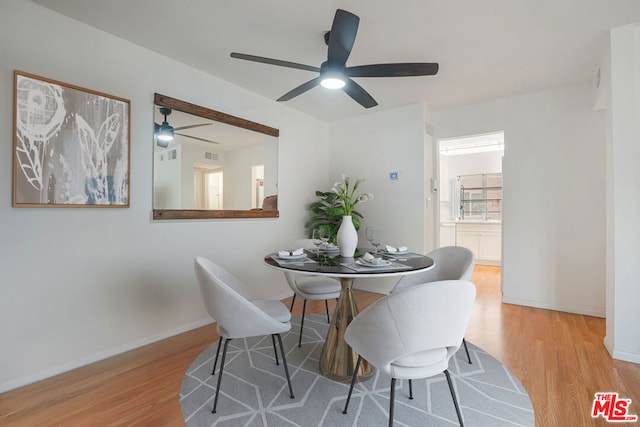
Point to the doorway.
(470, 194)
(257, 188)
(208, 184)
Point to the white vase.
(347, 238)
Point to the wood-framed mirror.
(216, 166)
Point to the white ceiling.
(486, 49)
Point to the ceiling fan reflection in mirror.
(334, 74)
(165, 133)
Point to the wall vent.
(210, 155)
(172, 155)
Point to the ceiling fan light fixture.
(332, 79)
(332, 83)
(165, 134)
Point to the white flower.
(364, 197)
(347, 196)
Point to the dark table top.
(332, 265)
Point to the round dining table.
(338, 359)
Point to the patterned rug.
(254, 389)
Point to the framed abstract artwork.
(71, 145)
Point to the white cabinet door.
(468, 239)
(489, 246)
(484, 240)
(447, 235)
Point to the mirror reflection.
(209, 164)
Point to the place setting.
(329, 249)
(320, 238)
(295, 256)
(400, 253)
(373, 236)
(369, 262)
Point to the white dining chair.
(239, 313)
(450, 263)
(310, 287)
(412, 333)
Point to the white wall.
(166, 181)
(554, 194)
(82, 284)
(240, 163)
(623, 194)
(372, 146)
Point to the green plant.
(327, 213)
(333, 205)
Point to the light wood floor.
(559, 358)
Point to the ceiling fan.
(165, 133)
(334, 73)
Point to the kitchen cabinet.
(447, 234)
(485, 240)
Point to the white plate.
(333, 249)
(292, 256)
(381, 263)
(397, 252)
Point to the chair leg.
(304, 308)
(353, 381)
(215, 363)
(392, 398)
(284, 362)
(326, 305)
(273, 339)
(453, 395)
(410, 390)
(467, 350)
(292, 301)
(224, 354)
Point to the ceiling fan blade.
(361, 96)
(300, 89)
(192, 126)
(272, 61)
(197, 138)
(393, 70)
(342, 36)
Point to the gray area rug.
(254, 389)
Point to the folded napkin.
(295, 252)
(392, 249)
(367, 257)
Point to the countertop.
(470, 221)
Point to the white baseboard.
(621, 355)
(627, 357)
(56, 370)
(489, 262)
(584, 310)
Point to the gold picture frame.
(71, 145)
